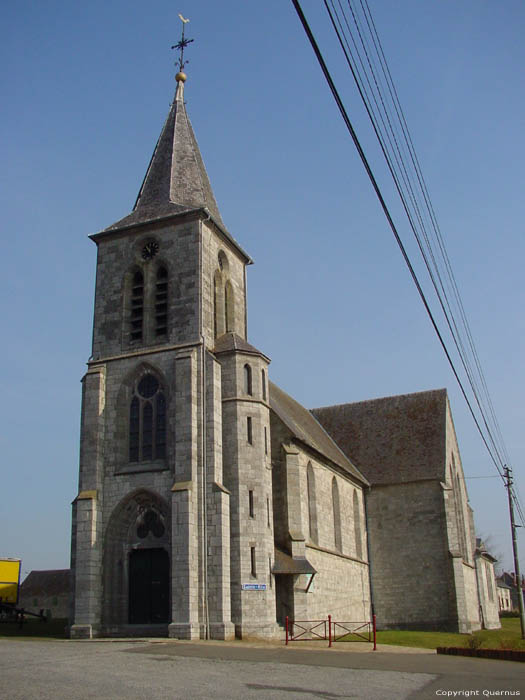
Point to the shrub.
(507, 643)
(474, 642)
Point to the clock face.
(150, 250)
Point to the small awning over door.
(285, 564)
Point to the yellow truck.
(9, 587)
(9, 580)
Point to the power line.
(410, 195)
(388, 216)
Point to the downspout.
(204, 445)
(370, 584)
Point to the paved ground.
(131, 670)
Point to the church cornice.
(201, 213)
(141, 352)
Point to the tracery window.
(147, 421)
(145, 297)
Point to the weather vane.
(182, 45)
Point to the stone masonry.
(210, 503)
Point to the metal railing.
(331, 630)
(306, 630)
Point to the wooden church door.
(148, 586)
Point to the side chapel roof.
(304, 426)
(396, 439)
(231, 342)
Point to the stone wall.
(340, 588)
(54, 606)
(410, 561)
(460, 535)
(248, 477)
(214, 280)
(304, 487)
(488, 595)
(118, 257)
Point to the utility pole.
(508, 476)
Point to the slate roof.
(306, 428)
(391, 440)
(230, 342)
(500, 583)
(52, 582)
(176, 180)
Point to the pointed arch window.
(137, 306)
(161, 302)
(215, 307)
(229, 311)
(147, 421)
(312, 505)
(458, 509)
(357, 527)
(248, 380)
(338, 540)
(219, 326)
(462, 530)
(263, 384)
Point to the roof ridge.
(383, 398)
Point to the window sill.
(140, 467)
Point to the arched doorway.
(149, 576)
(137, 579)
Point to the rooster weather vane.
(181, 45)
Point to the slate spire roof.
(176, 180)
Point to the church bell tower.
(156, 510)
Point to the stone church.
(210, 503)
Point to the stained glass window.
(147, 421)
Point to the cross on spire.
(181, 45)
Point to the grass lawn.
(36, 629)
(508, 637)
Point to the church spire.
(176, 179)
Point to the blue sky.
(86, 88)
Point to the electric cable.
(386, 211)
(434, 276)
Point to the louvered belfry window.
(161, 302)
(147, 421)
(137, 306)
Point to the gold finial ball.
(181, 77)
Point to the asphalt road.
(62, 670)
